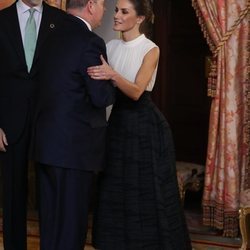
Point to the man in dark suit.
(17, 89)
(70, 125)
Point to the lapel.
(46, 26)
(13, 31)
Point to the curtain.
(160, 38)
(225, 24)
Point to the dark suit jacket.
(17, 86)
(71, 117)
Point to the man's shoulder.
(8, 10)
(52, 16)
(76, 27)
(52, 9)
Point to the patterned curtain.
(225, 24)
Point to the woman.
(138, 205)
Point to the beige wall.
(56, 3)
(106, 29)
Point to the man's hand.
(3, 141)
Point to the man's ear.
(90, 6)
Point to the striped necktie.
(30, 39)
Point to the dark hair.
(76, 3)
(144, 8)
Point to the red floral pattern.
(225, 24)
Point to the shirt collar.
(88, 25)
(23, 7)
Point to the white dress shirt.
(23, 15)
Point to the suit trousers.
(64, 203)
(15, 181)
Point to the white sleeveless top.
(126, 57)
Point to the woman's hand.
(3, 141)
(101, 72)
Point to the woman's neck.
(128, 36)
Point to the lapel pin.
(52, 26)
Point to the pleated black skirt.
(138, 205)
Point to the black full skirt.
(138, 205)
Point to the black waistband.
(124, 101)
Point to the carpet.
(203, 238)
(206, 238)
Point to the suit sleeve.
(101, 92)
